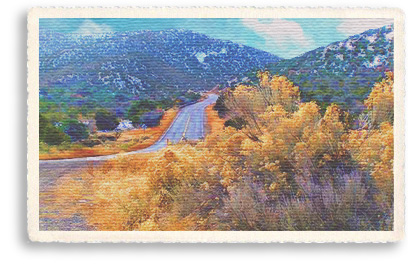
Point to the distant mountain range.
(153, 64)
(117, 67)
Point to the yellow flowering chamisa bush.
(248, 102)
(288, 166)
(373, 146)
(380, 102)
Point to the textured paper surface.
(36, 234)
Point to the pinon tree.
(75, 130)
(106, 120)
(138, 108)
(50, 134)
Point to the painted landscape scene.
(216, 124)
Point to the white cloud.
(88, 27)
(352, 26)
(281, 31)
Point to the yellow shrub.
(251, 102)
(381, 101)
(374, 151)
(373, 148)
(278, 90)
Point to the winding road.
(188, 124)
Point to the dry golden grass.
(155, 191)
(129, 141)
(103, 194)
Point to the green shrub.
(151, 118)
(51, 134)
(138, 108)
(220, 106)
(237, 123)
(106, 120)
(75, 130)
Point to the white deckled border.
(211, 236)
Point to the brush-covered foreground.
(290, 167)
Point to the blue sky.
(286, 38)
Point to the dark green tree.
(220, 106)
(151, 118)
(75, 130)
(106, 120)
(51, 134)
(138, 108)
(237, 123)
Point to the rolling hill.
(344, 71)
(114, 68)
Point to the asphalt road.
(188, 125)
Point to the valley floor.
(128, 141)
(59, 201)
